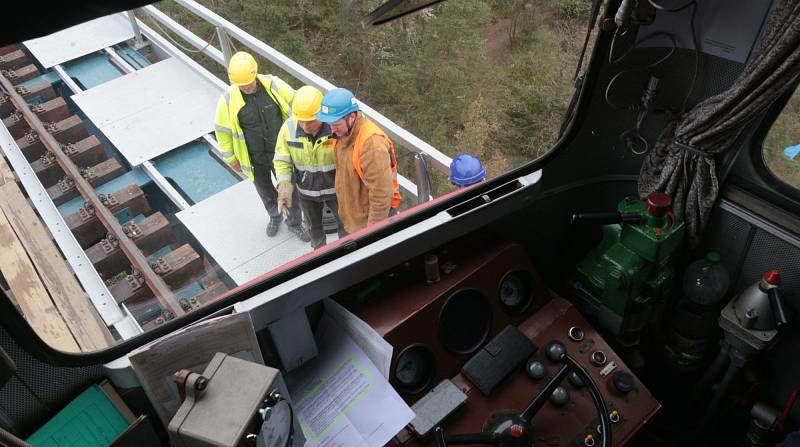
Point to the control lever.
(614, 217)
(516, 430)
(778, 311)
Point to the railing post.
(423, 180)
(137, 33)
(224, 44)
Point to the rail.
(425, 154)
(131, 251)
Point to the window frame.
(26, 336)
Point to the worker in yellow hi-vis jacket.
(249, 116)
(305, 147)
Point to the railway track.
(129, 235)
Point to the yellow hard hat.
(242, 68)
(306, 103)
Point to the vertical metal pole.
(423, 181)
(224, 44)
(136, 31)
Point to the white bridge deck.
(231, 225)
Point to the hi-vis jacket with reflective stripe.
(226, 124)
(313, 160)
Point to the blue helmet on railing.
(336, 104)
(466, 170)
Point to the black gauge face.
(277, 426)
(464, 322)
(414, 368)
(516, 291)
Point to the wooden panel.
(43, 90)
(65, 190)
(177, 268)
(51, 111)
(70, 299)
(13, 60)
(89, 230)
(32, 297)
(6, 174)
(65, 131)
(87, 152)
(150, 235)
(22, 74)
(8, 49)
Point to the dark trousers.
(269, 195)
(313, 211)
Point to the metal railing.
(425, 155)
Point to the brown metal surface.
(138, 260)
(51, 111)
(409, 314)
(150, 235)
(64, 190)
(568, 425)
(65, 131)
(88, 229)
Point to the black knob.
(560, 396)
(536, 369)
(575, 380)
(555, 351)
(623, 381)
(598, 358)
(576, 333)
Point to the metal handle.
(606, 218)
(778, 311)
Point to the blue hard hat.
(336, 104)
(465, 170)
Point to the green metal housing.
(632, 266)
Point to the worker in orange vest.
(366, 165)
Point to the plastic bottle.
(706, 281)
(694, 319)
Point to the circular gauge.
(464, 321)
(276, 430)
(414, 369)
(516, 291)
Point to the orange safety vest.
(368, 129)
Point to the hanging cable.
(174, 42)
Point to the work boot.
(272, 227)
(300, 232)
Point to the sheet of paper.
(341, 398)
(374, 346)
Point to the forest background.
(491, 78)
(488, 77)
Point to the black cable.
(650, 66)
(696, 43)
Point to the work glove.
(285, 197)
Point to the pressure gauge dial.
(516, 291)
(414, 368)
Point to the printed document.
(341, 398)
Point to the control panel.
(570, 417)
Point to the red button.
(773, 277)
